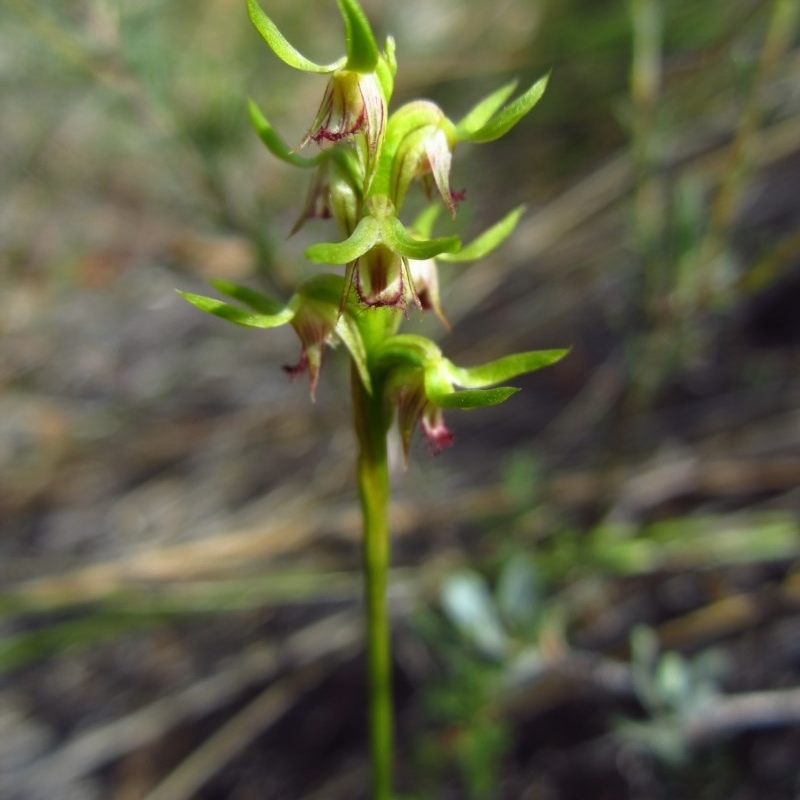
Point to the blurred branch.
(737, 713)
(545, 684)
(336, 636)
(746, 141)
(236, 734)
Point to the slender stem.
(373, 484)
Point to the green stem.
(371, 427)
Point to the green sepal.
(273, 141)
(250, 297)
(483, 111)
(503, 369)
(387, 230)
(278, 44)
(471, 398)
(362, 51)
(398, 238)
(366, 235)
(407, 350)
(488, 240)
(502, 122)
(238, 315)
(386, 69)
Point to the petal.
(380, 278)
(425, 277)
(440, 157)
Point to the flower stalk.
(371, 427)
(367, 164)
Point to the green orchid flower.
(420, 382)
(354, 107)
(419, 145)
(314, 311)
(377, 255)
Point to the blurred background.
(596, 590)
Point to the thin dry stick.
(92, 749)
(240, 730)
(742, 712)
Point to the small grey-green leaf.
(397, 237)
(275, 143)
(362, 51)
(467, 602)
(518, 593)
(472, 398)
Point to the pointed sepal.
(500, 122)
(274, 143)
(362, 51)
(281, 47)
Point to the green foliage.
(672, 689)
(466, 738)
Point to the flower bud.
(421, 140)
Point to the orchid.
(313, 311)
(421, 382)
(367, 159)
